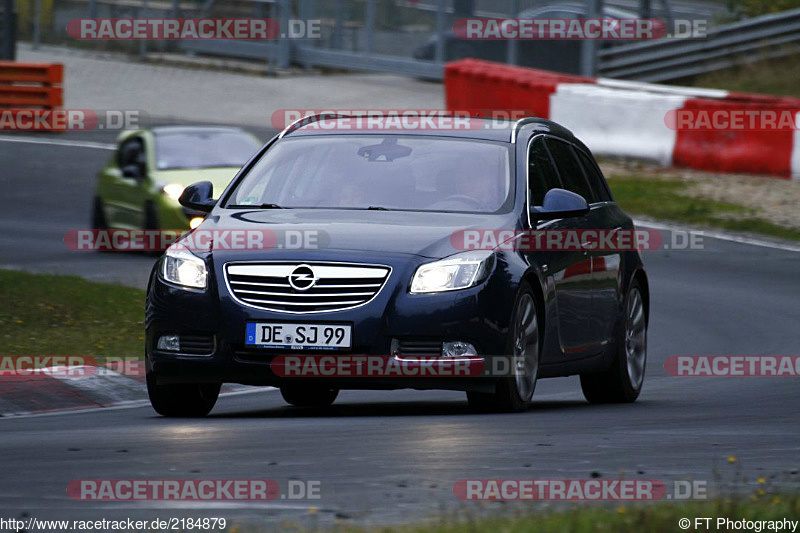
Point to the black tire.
(182, 400)
(150, 220)
(98, 214)
(509, 397)
(616, 384)
(309, 395)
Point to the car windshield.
(203, 149)
(369, 171)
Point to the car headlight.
(458, 271)
(184, 268)
(173, 191)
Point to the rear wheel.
(622, 381)
(309, 395)
(514, 393)
(182, 400)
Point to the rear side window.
(569, 169)
(542, 175)
(595, 177)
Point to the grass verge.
(589, 518)
(65, 315)
(664, 199)
(777, 77)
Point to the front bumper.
(477, 315)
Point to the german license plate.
(298, 336)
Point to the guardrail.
(764, 37)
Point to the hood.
(390, 232)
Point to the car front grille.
(197, 344)
(419, 348)
(305, 287)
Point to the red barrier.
(736, 150)
(484, 85)
(472, 84)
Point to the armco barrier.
(625, 118)
(30, 87)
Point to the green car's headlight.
(185, 269)
(458, 271)
(173, 191)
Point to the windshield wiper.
(257, 206)
(377, 208)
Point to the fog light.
(169, 343)
(196, 221)
(458, 349)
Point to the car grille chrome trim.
(337, 286)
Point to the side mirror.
(133, 172)
(198, 196)
(560, 203)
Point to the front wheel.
(309, 396)
(99, 214)
(513, 394)
(182, 400)
(622, 381)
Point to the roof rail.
(519, 124)
(310, 119)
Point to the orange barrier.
(29, 88)
(42, 73)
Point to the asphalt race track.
(387, 457)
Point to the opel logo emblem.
(302, 278)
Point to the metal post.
(644, 9)
(512, 52)
(37, 24)
(441, 7)
(338, 27)
(143, 42)
(176, 8)
(369, 22)
(594, 9)
(306, 13)
(92, 9)
(9, 31)
(284, 46)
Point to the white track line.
(59, 142)
(130, 404)
(719, 235)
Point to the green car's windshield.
(373, 172)
(203, 149)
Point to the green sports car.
(140, 186)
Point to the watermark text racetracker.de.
(606, 29)
(70, 119)
(621, 490)
(202, 240)
(576, 240)
(733, 117)
(395, 119)
(192, 29)
(733, 365)
(193, 490)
